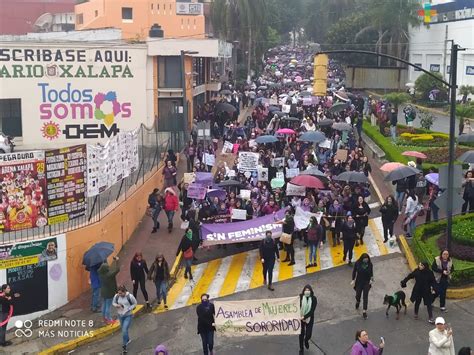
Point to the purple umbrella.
(220, 194)
(433, 178)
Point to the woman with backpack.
(125, 303)
(315, 237)
(160, 275)
(186, 247)
(138, 273)
(362, 278)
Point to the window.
(80, 19)
(169, 72)
(199, 71)
(418, 64)
(434, 68)
(10, 117)
(127, 13)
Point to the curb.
(429, 109)
(98, 334)
(451, 293)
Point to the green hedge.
(463, 232)
(425, 248)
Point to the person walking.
(171, 206)
(206, 324)
(349, 236)
(361, 211)
(7, 300)
(268, 254)
(169, 174)
(308, 303)
(389, 211)
(186, 247)
(125, 303)
(411, 212)
(288, 226)
(441, 339)
(160, 275)
(443, 268)
(336, 218)
(363, 346)
(362, 279)
(424, 288)
(190, 153)
(95, 286)
(138, 273)
(107, 276)
(155, 201)
(315, 237)
(468, 193)
(400, 191)
(393, 123)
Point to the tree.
(397, 98)
(465, 90)
(425, 83)
(464, 111)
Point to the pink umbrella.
(285, 131)
(388, 167)
(411, 153)
(308, 181)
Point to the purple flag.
(246, 231)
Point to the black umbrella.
(274, 85)
(273, 108)
(293, 119)
(313, 136)
(338, 107)
(326, 122)
(226, 92)
(263, 87)
(401, 173)
(352, 176)
(225, 107)
(97, 254)
(305, 94)
(278, 113)
(467, 157)
(466, 138)
(342, 126)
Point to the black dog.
(397, 300)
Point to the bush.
(463, 232)
(425, 83)
(441, 155)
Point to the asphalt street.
(337, 321)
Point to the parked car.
(6, 144)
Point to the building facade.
(135, 17)
(430, 44)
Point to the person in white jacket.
(411, 212)
(125, 303)
(441, 339)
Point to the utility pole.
(183, 85)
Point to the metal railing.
(152, 148)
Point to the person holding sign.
(308, 303)
(206, 324)
(6, 299)
(268, 254)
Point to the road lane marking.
(204, 282)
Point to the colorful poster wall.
(66, 183)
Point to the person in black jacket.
(268, 254)
(7, 300)
(308, 303)
(400, 191)
(389, 211)
(155, 201)
(424, 289)
(139, 273)
(362, 278)
(186, 246)
(206, 324)
(289, 228)
(361, 211)
(349, 236)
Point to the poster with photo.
(65, 183)
(22, 191)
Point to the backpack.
(128, 299)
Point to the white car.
(6, 144)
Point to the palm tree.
(397, 98)
(463, 111)
(465, 90)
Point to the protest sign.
(325, 144)
(197, 191)
(262, 174)
(278, 162)
(275, 316)
(188, 178)
(209, 159)
(246, 231)
(295, 190)
(203, 178)
(245, 194)
(292, 172)
(227, 147)
(239, 214)
(231, 173)
(248, 161)
(280, 175)
(302, 218)
(286, 108)
(341, 155)
(277, 183)
(307, 101)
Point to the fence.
(152, 147)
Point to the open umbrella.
(388, 167)
(433, 178)
(338, 107)
(352, 176)
(467, 157)
(266, 139)
(273, 108)
(326, 122)
(305, 94)
(414, 154)
(342, 126)
(278, 113)
(308, 181)
(341, 95)
(401, 173)
(225, 107)
(466, 138)
(226, 92)
(313, 136)
(97, 254)
(227, 183)
(314, 171)
(293, 119)
(285, 131)
(220, 194)
(263, 87)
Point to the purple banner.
(204, 179)
(246, 231)
(197, 191)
